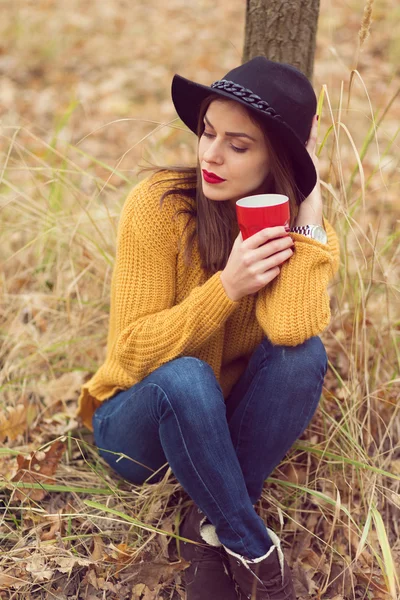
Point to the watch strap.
(309, 231)
(303, 229)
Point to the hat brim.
(188, 96)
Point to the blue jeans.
(220, 451)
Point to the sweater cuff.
(224, 306)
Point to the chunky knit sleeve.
(151, 327)
(295, 305)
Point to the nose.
(213, 153)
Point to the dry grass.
(83, 93)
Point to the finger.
(270, 233)
(239, 237)
(272, 247)
(269, 275)
(276, 260)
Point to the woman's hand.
(254, 262)
(310, 210)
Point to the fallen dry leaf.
(138, 590)
(38, 568)
(303, 580)
(142, 592)
(164, 541)
(33, 470)
(91, 578)
(63, 388)
(152, 573)
(98, 548)
(311, 559)
(342, 580)
(295, 473)
(65, 564)
(121, 553)
(15, 420)
(56, 526)
(9, 580)
(102, 584)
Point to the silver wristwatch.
(316, 232)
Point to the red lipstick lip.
(211, 177)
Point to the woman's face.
(232, 148)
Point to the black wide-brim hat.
(279, 92)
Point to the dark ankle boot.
(208, 577)
(264, 578)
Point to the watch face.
(319, 234)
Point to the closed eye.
(235, 148)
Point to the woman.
(214, 366)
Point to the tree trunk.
(283, 31)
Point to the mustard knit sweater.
(162, 309)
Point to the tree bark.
(283, 31)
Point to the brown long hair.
(216, 221)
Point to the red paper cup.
(264, 210)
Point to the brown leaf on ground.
(16, 420)
(91, 578)
(98, 548)
(10, 580)
(152, 573)
(295, 473)
(138, 590)
(342, 580)
(38, 468)
(39, 569)
(142, 592)
(166, 525)
(303, 580)
(311, 559)
(56, 526)
(65, 564)
(122, 553)
(63, 388)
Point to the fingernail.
(317, 117)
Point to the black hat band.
(246, 95)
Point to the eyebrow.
(232, 133)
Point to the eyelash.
(235, 148)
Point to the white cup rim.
(262, 200)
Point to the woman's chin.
(213, 193)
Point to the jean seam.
(265, 354)
(245, 410)
(194, 468)
(308, 418)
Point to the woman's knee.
(184, 373)
(311, 355)
(310, 352)
(189, 385)
(304, 360)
